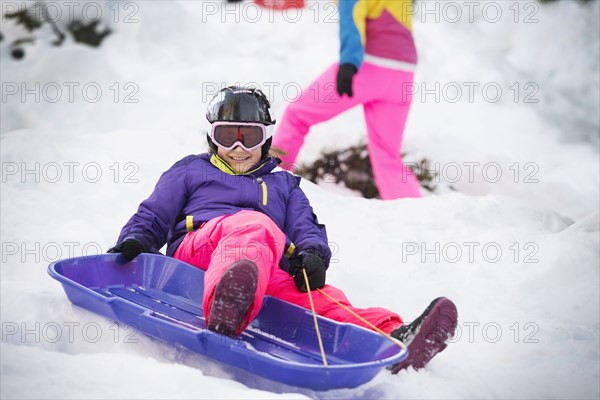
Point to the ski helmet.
(240, 104)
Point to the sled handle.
(312, 308)
(394, 340)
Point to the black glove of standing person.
(131, 248)
(344, 79)
(315, 270)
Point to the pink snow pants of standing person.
(254, 236)
(386, 95)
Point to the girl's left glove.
(345, 75)
(314, 266)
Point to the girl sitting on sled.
(233, 213)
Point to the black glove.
(131, 248)
(315, 270)
(344, 79)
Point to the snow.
(519, 253)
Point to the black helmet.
(240, 104)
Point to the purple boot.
(427, 335)
(233, 297)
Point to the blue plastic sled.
(162, 297)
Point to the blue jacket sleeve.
(351, 39)
(302, 226)
(151, 223)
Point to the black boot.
(233, 298)
(427, 335)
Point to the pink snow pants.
(254, 236)
(386, 96)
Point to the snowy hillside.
(516, 246)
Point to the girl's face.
(239, 159)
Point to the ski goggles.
(248, 135)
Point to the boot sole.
(233, 297)
(436, 329)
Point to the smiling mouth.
(240, 159)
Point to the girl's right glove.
(130, 248)
(314, 266)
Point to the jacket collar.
(263, 167)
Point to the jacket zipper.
(265, 193)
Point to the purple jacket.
(201, 187)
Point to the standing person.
(249, 225)
(377, 60)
